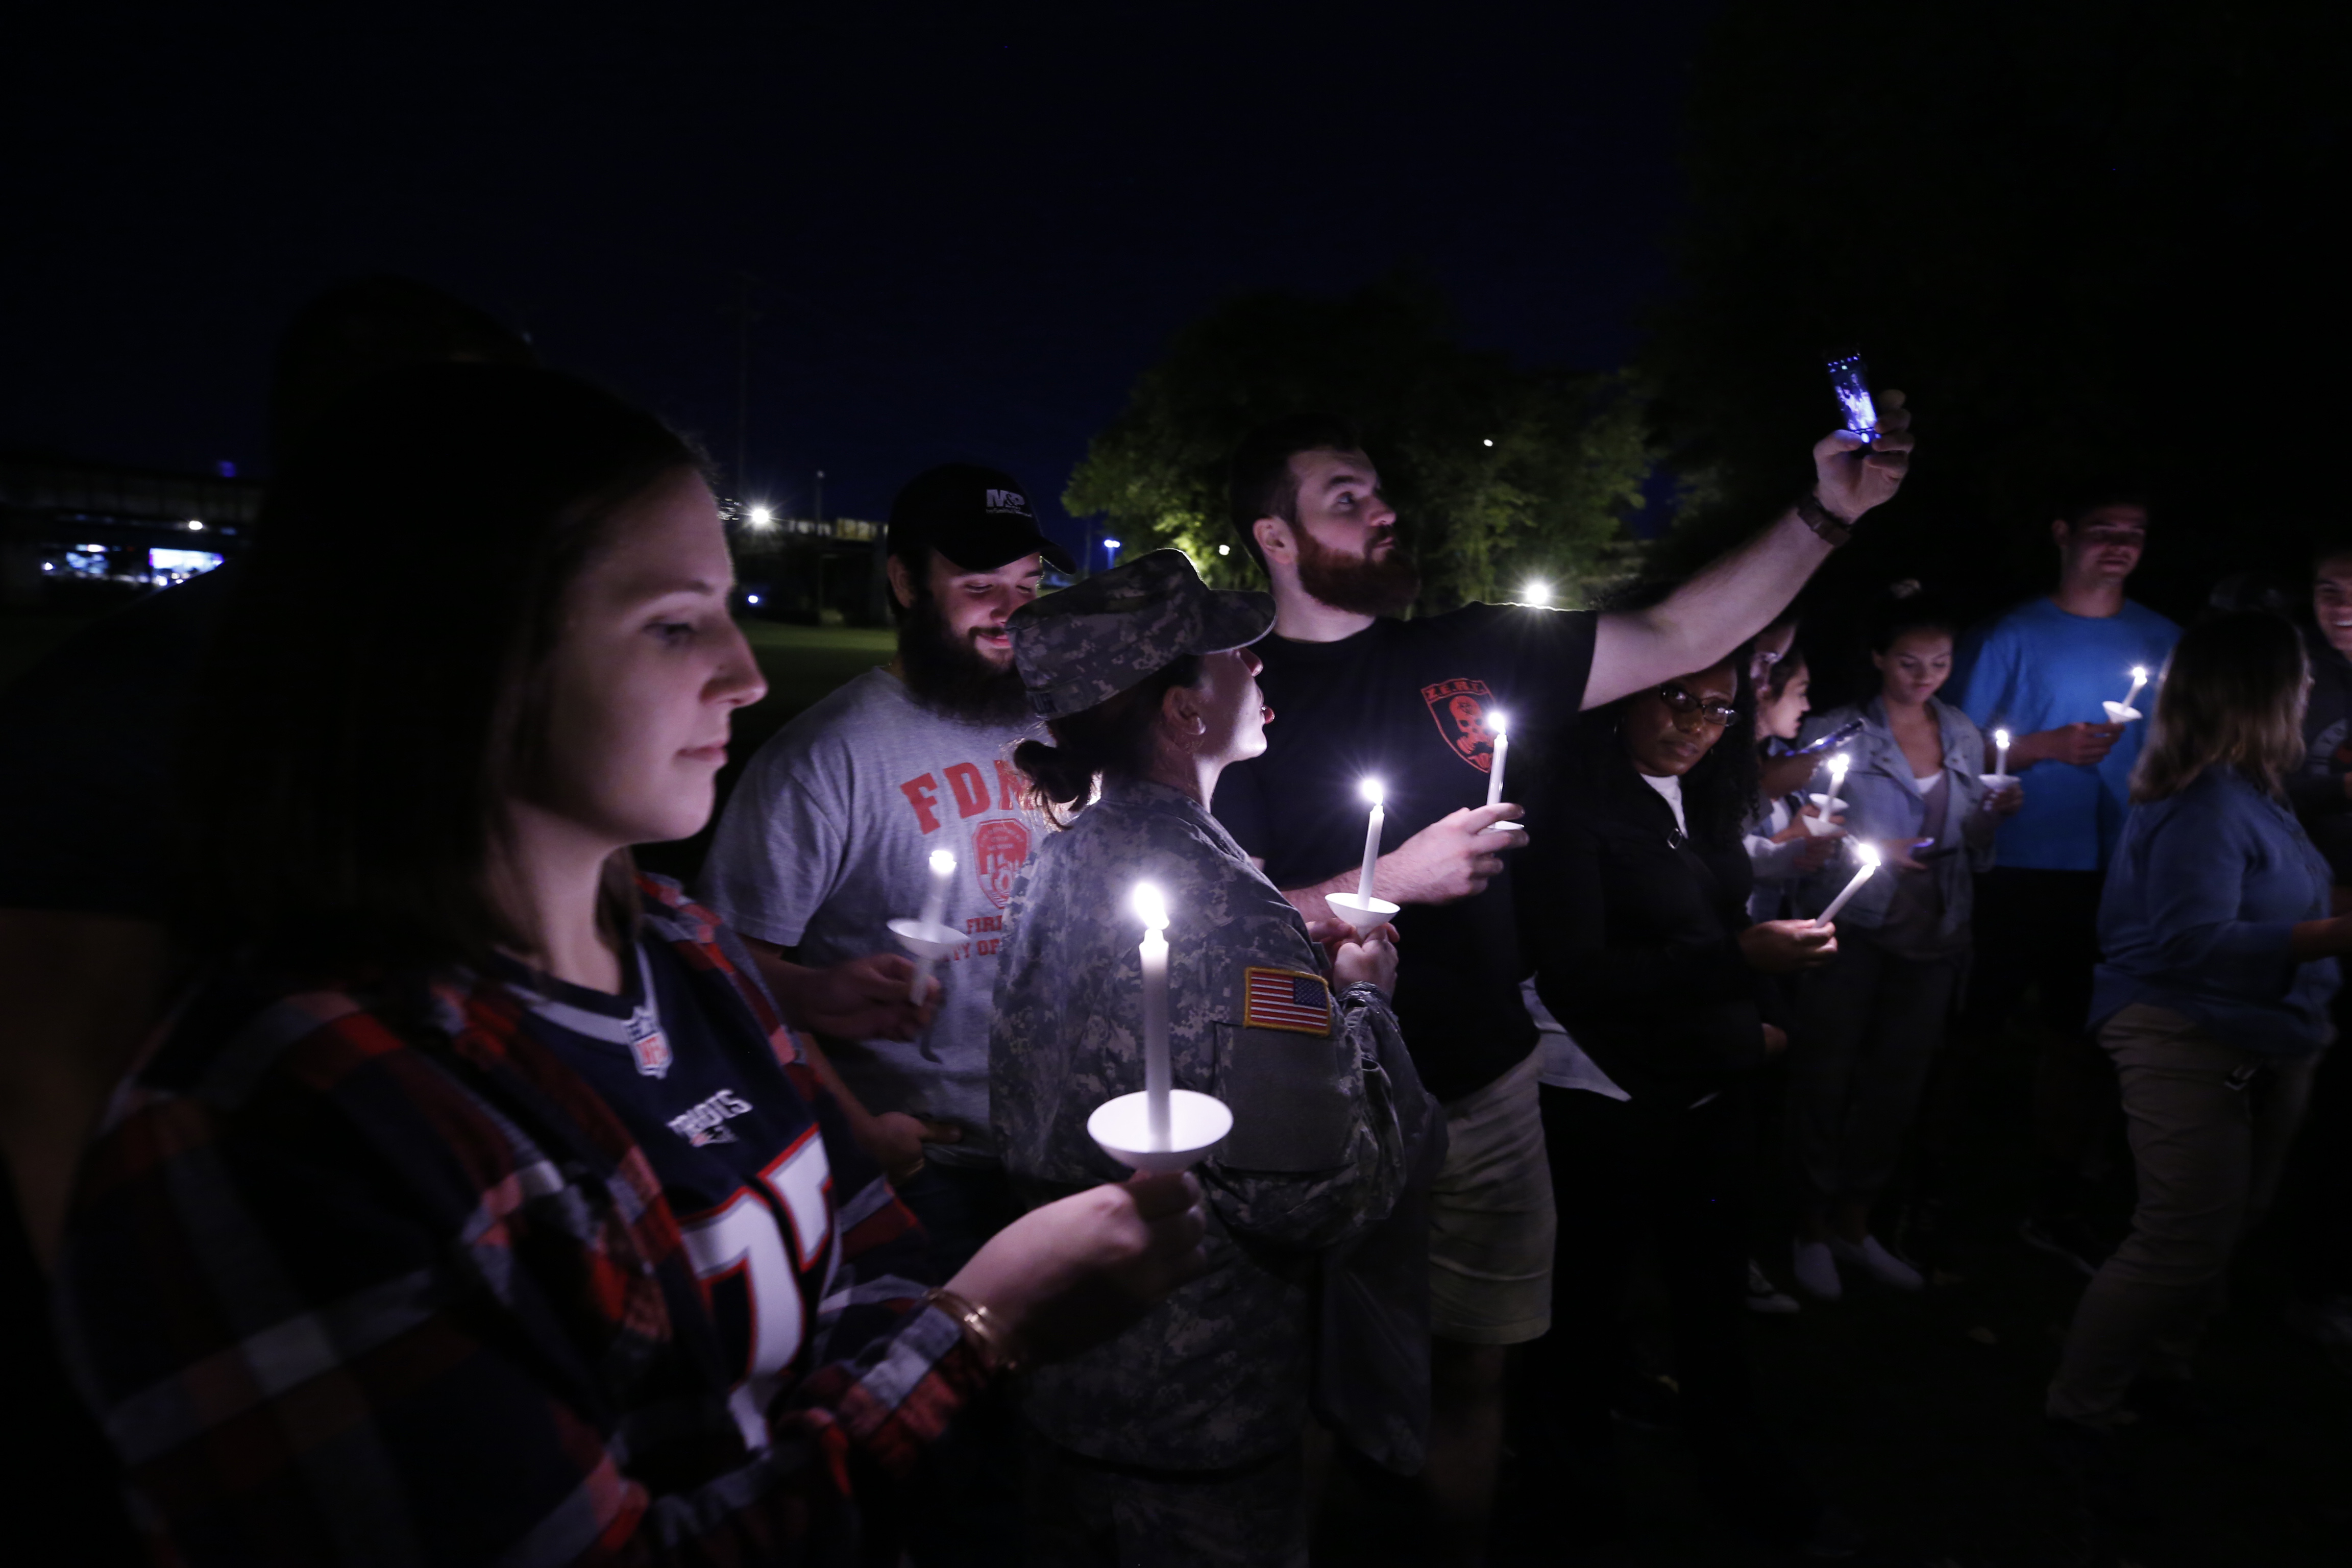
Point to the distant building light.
(195, 526)
(1536, 594)
(226, 469)
(179, 563)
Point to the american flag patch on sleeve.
(1286, 999)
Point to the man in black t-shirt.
(1363, 694)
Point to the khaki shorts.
(1490, 1218)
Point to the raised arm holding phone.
(1367, 694)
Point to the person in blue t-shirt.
(2043, 673)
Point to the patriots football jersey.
(738, 1153)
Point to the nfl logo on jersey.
(651, 1051)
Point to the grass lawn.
(801, 664)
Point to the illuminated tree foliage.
(2092, 239)
(1498, 473)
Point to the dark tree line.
(2098, 243)
(1499, 472)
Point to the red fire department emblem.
(998, 849)
(1460, 709)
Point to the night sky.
(972, 226)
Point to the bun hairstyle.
(1784, 669)
(1906, 609)
(1111, 737)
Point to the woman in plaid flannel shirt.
(475, 1204)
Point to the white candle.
(2139, 678)
(1838, 765)
(935, 908)
(1501, 727)
(1152, 909)
(2000, 754)
(1372, 791)
(1869, 864)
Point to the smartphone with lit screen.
(1851, 380)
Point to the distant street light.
(750, 598)
(761, 517)
(1490, 440)
(1111, 547)
(1224, 550)
(195, 526)
(1536, 594)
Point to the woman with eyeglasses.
(1634, 909)
(1873, 1020)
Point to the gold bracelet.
(987, 1335)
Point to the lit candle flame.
(2000, 739)
(1868, 852)
(942, 863)
(1496, 724)
(1370, 790)
(1150, 908)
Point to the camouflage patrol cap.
(1106, 633)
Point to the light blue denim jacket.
(1882, 803)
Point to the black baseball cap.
(978, 518)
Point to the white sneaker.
(1816, 1270)
(1878, 1263)
(1763, 1296)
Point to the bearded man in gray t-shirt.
(830, 834)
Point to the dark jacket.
(2317, 787)
(1634, 931)
(2201, 901)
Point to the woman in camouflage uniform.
(1180, 1441)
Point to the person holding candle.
(1368, 692)
(2213, 1000)
(1635, 904)
(2044, 672)
(1873, 1021)
(486, 1159)
(1179, 1442)
(1781, 849)
(836, 828)
(1776, 648)
(894, 796)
